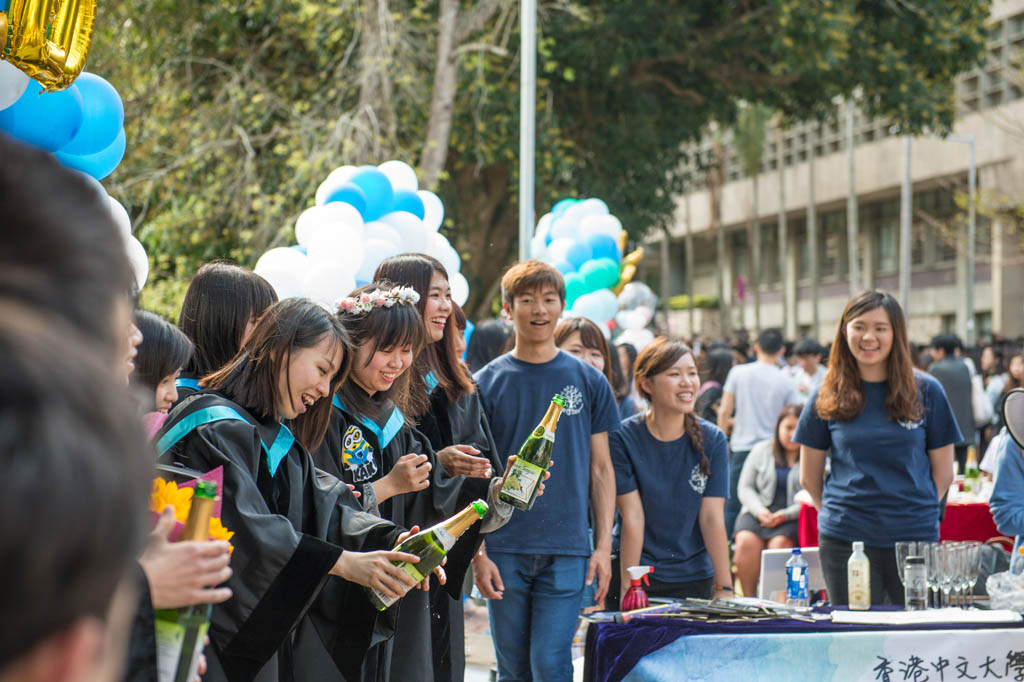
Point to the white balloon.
(120, 214)
(140, 262)
(558, 248)
(600, 224)
(335, 179)
(543, 225)
(381, 231)
(538, 249)
(433, 210)
(332, 216)
(638, 338)
(287, 283)
(341, 247)
(414, 236)
(400, 174)
(282, 258)
(325, 283)
(631, 319)
(437, 245)
(12, 84)
(566, 227)
(460, 288)
(376, 251)
(592, 207)
(608, 303)
(451, 260)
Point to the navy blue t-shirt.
(515, 395)
(880, 489)
(671, 485)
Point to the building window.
(769, 253)
(833, 236)
(888, 246)
(740, 254)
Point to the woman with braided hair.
(671, 479)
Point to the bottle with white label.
(523, 482)
(796, 580)
(431, 546)
(858, 578)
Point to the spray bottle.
(635, 597)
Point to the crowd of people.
(338, 433)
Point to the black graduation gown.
(291, 524)
(353, 451)
(187, 384)
(445, 424)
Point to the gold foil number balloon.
(48, 39)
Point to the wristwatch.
(721, 588)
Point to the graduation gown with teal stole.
(360, 450)
(288, 619)
(444, 424)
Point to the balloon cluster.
(361, 216)
(636, 310)
(83, 124)
(585, 242)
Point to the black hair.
(164, 350)
(770, 341)
(490, 339)
(251, 378)
(807, 347)
(381, 328)
(221, 300)
(76, 476)
(945, 342)
(60, 250)
(719, 362)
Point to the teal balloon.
(600, 273)
(563, 205)
(98, 165)
(575, 286)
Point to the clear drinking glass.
(931, 561)
(972, 568)
(948, 558)
(904, 548)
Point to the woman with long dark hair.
(709, 397)
(451, 417)
(371, 442)
(767, 489)
(160, 357)
(293, 527)
(671, 479)
(890, 433)
(218, 314)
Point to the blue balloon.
(48, 120)
(3, 5)
(562, 206)
(361, 282)
(352, 195)
(409, 201)
(565, 268)
(604, 246)
(300, 248)
(103, 116)
(466, 335)
(99, 165)
(378, 191)
(578, 254)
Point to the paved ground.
(479, 647)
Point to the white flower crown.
(378, 298)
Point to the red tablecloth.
(962, 522)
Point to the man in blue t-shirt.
(534, 569)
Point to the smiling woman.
(294, 526)
(890, 433)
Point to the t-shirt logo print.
(698, 481)
(357, 455)
(573, 400)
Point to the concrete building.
(990, 109)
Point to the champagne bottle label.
(523, 479)
(410, 570)
(170, 640)
(444, 538)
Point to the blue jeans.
(534, 621)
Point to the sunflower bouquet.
(169, 493)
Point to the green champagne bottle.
(523, 482)
(180, 633)
(971, 470)
(431, 546)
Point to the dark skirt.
(746, 521)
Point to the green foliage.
(682, 302)
(749, 135)
(236, 111)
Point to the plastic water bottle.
(796, 580)
(1017, 562)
